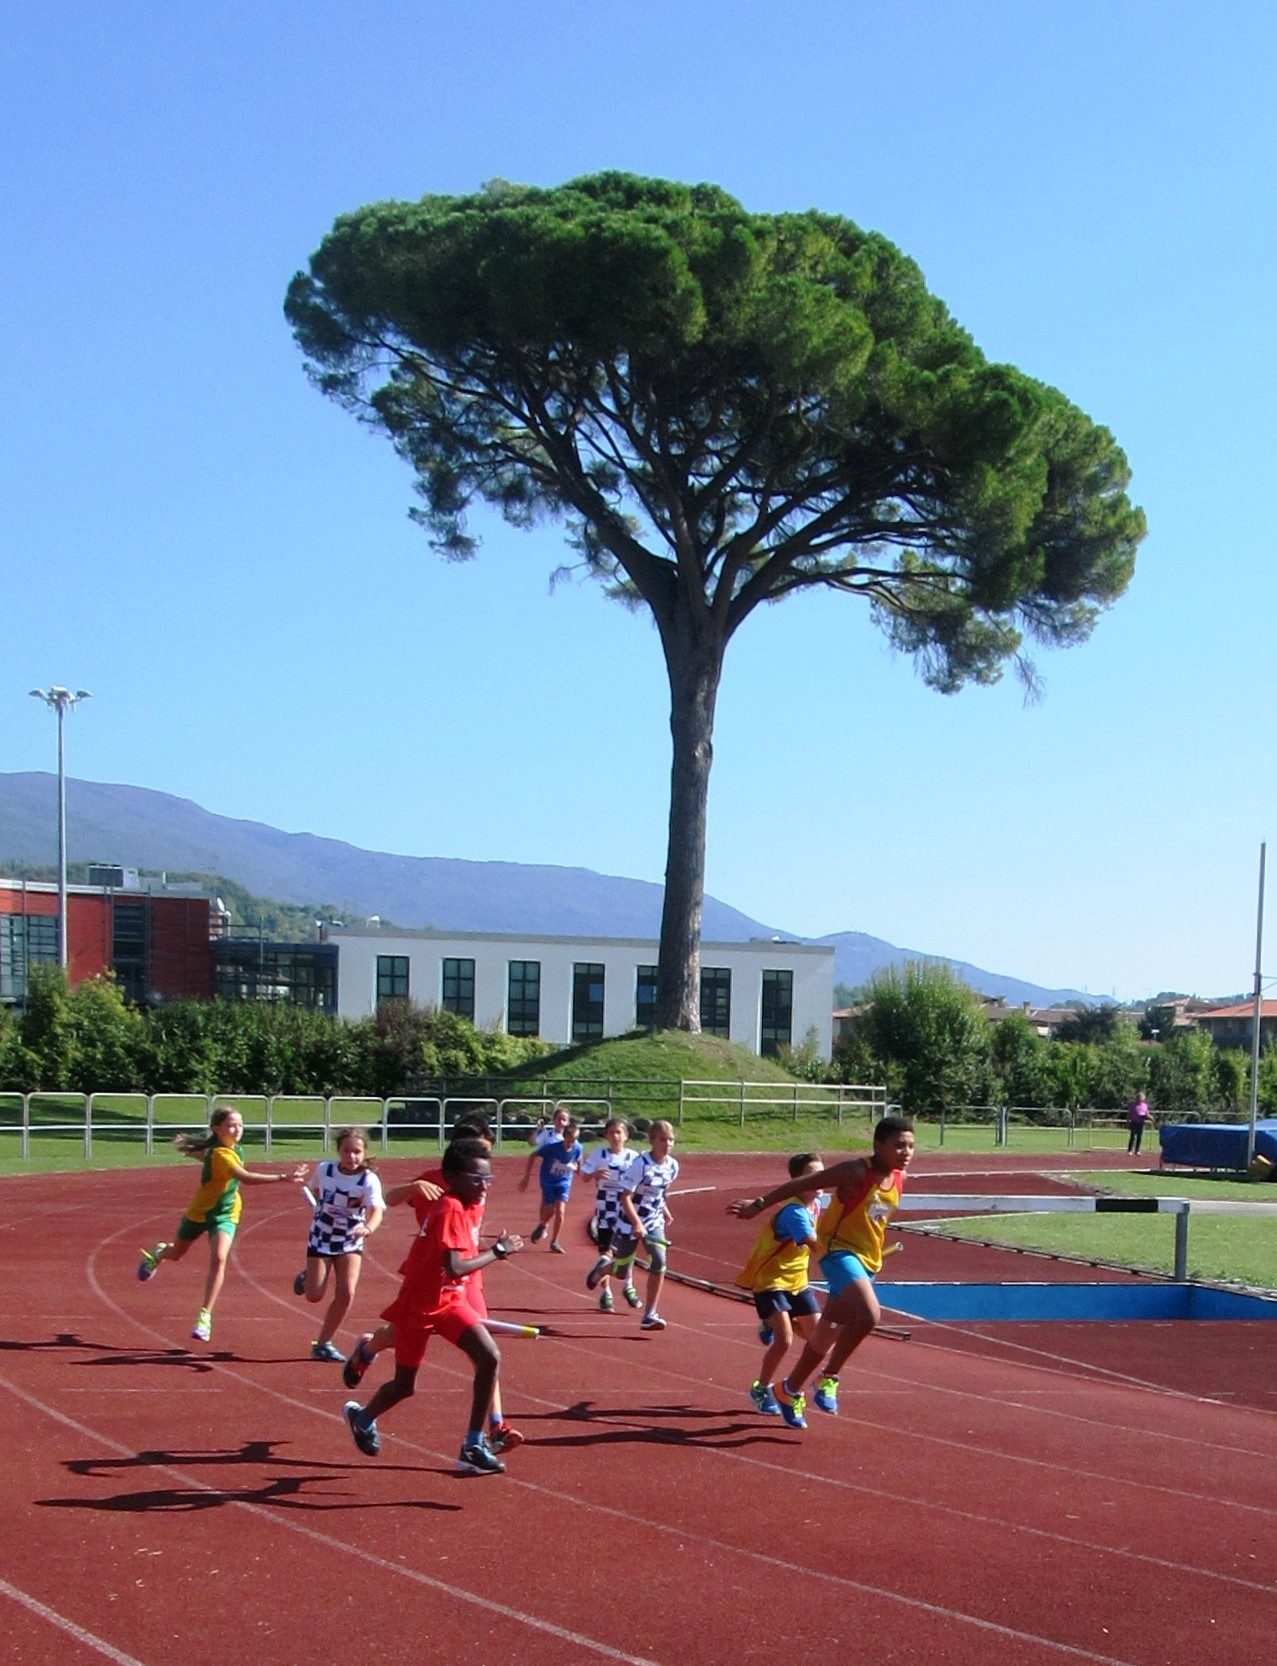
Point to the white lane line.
(34, 1606)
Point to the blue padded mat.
(1220, 1145)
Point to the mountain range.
(137, 827)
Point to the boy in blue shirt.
(776, 1274)
(559, 1159)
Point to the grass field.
(1238, 1249)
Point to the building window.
(128, 949)
(645, 998)
(587, 1001)
(458, 988)
(26, 940)
(777, 1027)
(392, 977)
(287, 974)
(716, 1000)
(523, 998)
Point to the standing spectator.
(1137, 1116)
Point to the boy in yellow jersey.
(776, 1275)
(851, 1236)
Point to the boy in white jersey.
(644, 1219)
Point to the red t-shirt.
(427, 1288)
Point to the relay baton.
(503, 1327)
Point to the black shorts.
(797, 1303)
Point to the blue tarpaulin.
(1216, 1145)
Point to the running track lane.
(960, 1508)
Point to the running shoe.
(299, 1283)
(363, 1433)
(537, 1233)
(203, 1326)
(765, 1335)
(557, 1249)
(764, 1400)
(791, 1407)
(479, 1459)
(503, 1438)
(598, 1272)
(826, 1395)
(146, 1267)
(357, 1362)
(651, 1321)
(326, 1351)
(631, 1295)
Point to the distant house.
(1044, 1020)
(1234, 1026)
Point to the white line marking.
(34, 1606)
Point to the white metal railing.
(107, 1117)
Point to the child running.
(545, 1131)
(422, 1192)
(348, 1210)
(609, 1162)
(435, 1298)
(215, 1208)
(645, 1218)
(851, 1234)
(560, 1158)
(776, 1276)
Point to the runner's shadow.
(728, 1436)
(286, 1492)
(289, 1491)
(102, 1353)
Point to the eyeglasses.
(481, 1179)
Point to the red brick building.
(156, 941)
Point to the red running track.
(1023, 1494)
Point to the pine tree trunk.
(694, 672)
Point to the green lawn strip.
(1238, 1249)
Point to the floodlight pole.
(1259, 1012)
(62, 700)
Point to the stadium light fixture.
(61, 700)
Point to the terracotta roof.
(1243, 1009)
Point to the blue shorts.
(557, 1192)
(799, 1303)
(842, 1268)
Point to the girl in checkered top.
(348, 1210)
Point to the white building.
(762, 994)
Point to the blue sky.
(225, 559)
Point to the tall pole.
(1259, 1012)
(61, 700)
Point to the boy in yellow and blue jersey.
(851, 1235)
(776, 1275)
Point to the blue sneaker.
(146, 1267)
(826, 1395)
(764, 1400)
(479, 1458)
(364, 1434)
(791, 1407)
(765, 1335)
